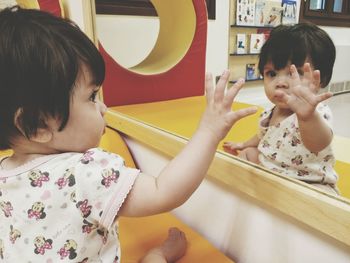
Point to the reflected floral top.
(62, 208)
(281, 150)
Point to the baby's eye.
(270, 73)
(93, 96)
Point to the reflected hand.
(303, 97)
(233, 148)
(218, 117)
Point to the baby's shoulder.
(92, 159)
(99, 154)
(266, 115)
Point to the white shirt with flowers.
(62, 208)
(281, 149)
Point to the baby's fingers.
(294, 74)
(323, 96)
(232, 92)
(229, 149)
(316, 80)
(311, 78)
(209, 87)
(220, 87)
(308, 74)
(234, 116)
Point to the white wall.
(341, 39)
(217, 40)
(128, 39)
(6, 3)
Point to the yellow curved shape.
(177, 20)
(28, 4)
(33, 4)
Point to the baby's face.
(279, 80)
(86, 124)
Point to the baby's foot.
(174, 247)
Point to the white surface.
(128, 39)
(75, 12)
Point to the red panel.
(122, 87)
(51, 6)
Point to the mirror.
(127, 123)
(108, 26)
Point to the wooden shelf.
(237, 63)
(246, 26)
(245, 54)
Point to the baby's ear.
(43, 135)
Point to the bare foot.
(172, 249)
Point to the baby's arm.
(180, 178)
(303, 99)
(233, 147)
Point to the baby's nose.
(102, 107)
(282, 83)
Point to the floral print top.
(63, 208)
(281, 149)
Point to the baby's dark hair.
(297, 43)
(40, 58)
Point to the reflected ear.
(43, 135)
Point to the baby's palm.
(303, 98)
(218, 117)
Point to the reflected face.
(86, 124)
(278, 80)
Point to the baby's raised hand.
(302, 97)
(218, 117)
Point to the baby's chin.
(279, 102)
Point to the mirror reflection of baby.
(51, 73)
(295, 134)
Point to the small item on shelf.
(272, 13)
(251, 71)
(289, 16)
(259, 12)
(241, 43)
(256, 42)
(245, 12)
